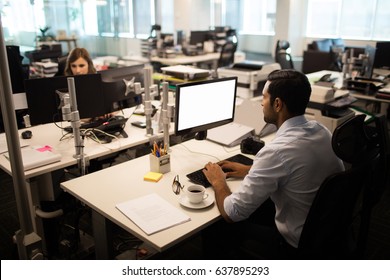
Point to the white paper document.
(152, 213)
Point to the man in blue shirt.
(288, 171)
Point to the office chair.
(330, 230)
(380, 145)
(61, 65)
(282, 54)
(281, 45)
(227, 54)
(284, 59)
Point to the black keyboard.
(199, 178)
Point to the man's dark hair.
(292, 87)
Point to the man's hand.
(234, 169)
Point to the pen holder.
(160, 164)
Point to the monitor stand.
(201, 135)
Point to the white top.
(289, 170)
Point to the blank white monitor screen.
(204, 105)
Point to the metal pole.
(164, 113)
(148, 71)
(28, 242)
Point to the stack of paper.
(46, 69)
(152, 213)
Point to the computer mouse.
(26, 134)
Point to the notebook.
(36, 156)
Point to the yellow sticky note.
(153, 176)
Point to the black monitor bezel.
(44, 103)
(114, 87)
(382, 55)
(204, 127)
(199, 36)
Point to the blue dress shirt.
(289, 170)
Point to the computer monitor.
(199, 37)
(382, 55)
(114, 87)
(44, 102)
(204, 105)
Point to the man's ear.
(278, 104)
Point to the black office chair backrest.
(379, 144)
(281, 45)
(328, 230)
(61, 65)
(284, 59)
(227, 54)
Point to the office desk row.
(382, 102)
(196, 59)
(104, 189)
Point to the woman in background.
(79, 62)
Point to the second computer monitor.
(116, 93)
(204, 105)
(43, 101)
(382, 55)
(199, 37)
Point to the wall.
(255, 43)
(102, 46)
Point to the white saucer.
(205, 203)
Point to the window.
(349, 19)
(118, 18)
(22, 15)
(247, 16)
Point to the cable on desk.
(199, 153)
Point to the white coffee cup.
(196, 193)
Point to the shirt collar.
(291, 122)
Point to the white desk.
(184, 59)
(39, 180)
(102, 190)
(383, 103)
(338, 84)
(50, 134)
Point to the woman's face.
(79, 66)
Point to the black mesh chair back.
(284, 59)
(379, 145)
(227, 54)
(281, 45)
(61, 65)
